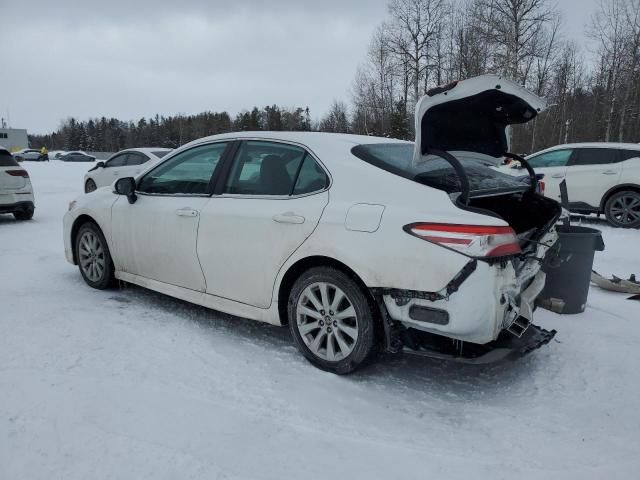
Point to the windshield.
(397, 158)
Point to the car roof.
(312, 140)
(617, 145)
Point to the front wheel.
(623, 209)
(331, 320)
(90, 186)
(94, 259)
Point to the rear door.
(591, 173)
(269, 203)
(554, 166)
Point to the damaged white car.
(359, 244)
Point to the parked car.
(16, 193)
(29, 155)
(357, 243)
(77, 157)
(56, 154)
(600, 178)
(126, 163)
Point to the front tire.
(332, 320)
(90, 186)
(623, 209)
(94, 259)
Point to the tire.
(24, 215)
(93, 256)
(623, 209)
(90, 186)
(340, 339)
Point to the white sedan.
(126, 163)
(357, 243)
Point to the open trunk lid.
(473, 115)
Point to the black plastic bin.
(569, 270)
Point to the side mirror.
(126, 186)
(97, 166)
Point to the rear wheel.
(94, 259)
(331, 320)
(90, 186)
(24, 214)
(623, 209)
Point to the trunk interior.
(529, 214)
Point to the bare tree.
(411, 35)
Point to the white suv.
(601, 178)
(126, 163)
(16, 194)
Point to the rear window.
(7, 160)
(397, 158)
(161, 153)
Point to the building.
(14, 138)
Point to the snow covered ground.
(130, 384)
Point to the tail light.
(473, 240)
(18, 173)
(542, 185)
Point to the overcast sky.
(133, 58)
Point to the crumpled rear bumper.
(506, 346)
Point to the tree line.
(594, 95)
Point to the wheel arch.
(304, 264)
(77, 223)
(618, 188)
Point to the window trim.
(216, 171)
(221, 181)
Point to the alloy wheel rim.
(327, 321)
(626, 209)
(92, 256)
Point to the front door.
(553, 165)
(270, 203)
(156, 237)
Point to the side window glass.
(136, 159)
(595, 156)
(557, 158)
(264, 168)
(627, 154)
(311, 178)
(117, 161)
(188, 172)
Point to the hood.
(473, 115)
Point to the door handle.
(288, 217)
(557, 175)
(187, 212)
(609, 172)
